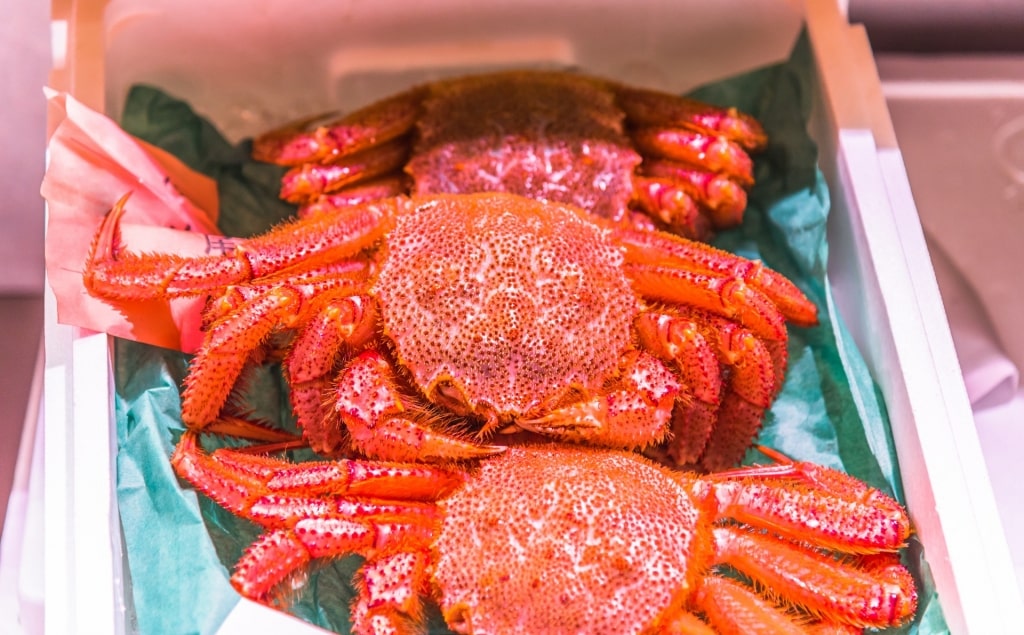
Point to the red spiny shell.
(613, 534)
(559, 139)
(512, 301)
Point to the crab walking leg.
(308, 182)
(393, 537)
(358, 194)
(822, 505)
(380, 424)
(327, 278)
(225, 352)
(678, 622)
(633, 415)
(664, 200)
(751, 387)
(817, 581)
(733, 609)
(232, 337)
(652, 108)
(113, 274)
(724, 199)
(676, 338)
(714, 153)
(663, 250)
(279, 553)
(724, 295)
(340, 322)
(389, 592)
(371, 126)
(258, 487)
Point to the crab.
(412, 320)
(572, 539)
(627, 154)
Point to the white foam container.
(250, 65)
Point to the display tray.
(272, 66)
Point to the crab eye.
(447, 394)
(458, 618)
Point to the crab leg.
(666, 201)
(751, 387)
(305, 527)
(847, 514)
(113, 274)
(232, 338)
(384, 187)
(341, 322)
(249, 485)
(822, 507)
(723, 198)
(660, 254)
(631, 416)
(389, 589)
(731, 607)
(308, 182)
(672, 337)
(380, 423)
(652, 108)
(716, 154)
(699, 342)
(876, 597)
(724, 295)
(362, 129)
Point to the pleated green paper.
(181, 547)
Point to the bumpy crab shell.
(492, 310)
(619, 152)
(561, 539)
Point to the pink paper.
(92, 164)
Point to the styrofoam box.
(250, 65)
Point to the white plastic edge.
(82, 559)
(945, 478)
(991, 536)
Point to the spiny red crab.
(566, 539)
(612, 149)
(413, 317)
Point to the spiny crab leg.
(378, 123)
(660, 253)
(822, 507)
(308, 182)
(849, 513)
(381, 425)
(817, 581)
(630, 416)
(715, 153)
(340, 324)
(115, 274)
(698, 342)
(301, 526)
(234, 336)
(723, 198)
(357, 194)
(724, 295)
(681, 340)
(652, 108)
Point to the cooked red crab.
(611, 149)
(506, 312)
(562, 539)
